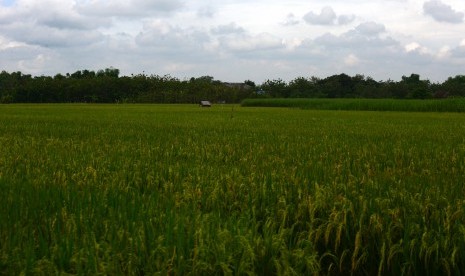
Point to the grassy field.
(410, 105)
(177, 189)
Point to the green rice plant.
(176, 189)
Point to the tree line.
(359, 86)
(107, 86)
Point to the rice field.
(228, 190)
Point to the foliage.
(106, 86)
(359, 86)
(176, 189)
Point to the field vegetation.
(411, 105)
(227, 190)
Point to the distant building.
(260, 92)
(237, 85)
(205, 104)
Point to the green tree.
(454, 86)
(275, 88)
(303, 88)
(417, 89)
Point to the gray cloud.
(458, 52)
(360, 39)
(370, 28)
(46, 36)
(52, 13)
(206, 12)
(345, 19)
(351, 51)
(231, 28)
(169, 42)
(442, 12)
(49, 25)
(130, 8)
(326, 17)
(59, 20)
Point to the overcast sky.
(236, 40)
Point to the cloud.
(345, 19)
(416, 47)
(247, 43)
(458, 52)
(361, 50)
(291, 20)
(442, 12)
(59, 21)
(370, 28)
(6, 44)
(361, 38)
(230, 28)
(130, 8)
(49, 37)
(327, 17)
(206, 12)
(50, 23)
(232, 40)
(351, 60)
(166, 41)
(31, 59)
(53, 13)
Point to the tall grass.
(149, 189)
(436, 105)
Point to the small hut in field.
(205, 104)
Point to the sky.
(236, 40)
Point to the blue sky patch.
(7, 3)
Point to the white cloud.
(291, 44)
(36, 64)
(442, 12)
(328, 16)
(8, 44)
(444, 52)
(291, 20)
(412, 46)
(416, 47)
(351, 60)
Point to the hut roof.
(205, 104)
